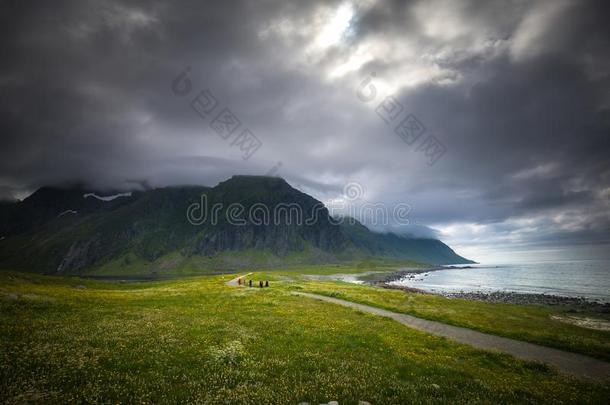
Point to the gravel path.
(233, 283)
(571, 363)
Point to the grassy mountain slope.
(400, 247)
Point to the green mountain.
(390, 245)
(242, 222)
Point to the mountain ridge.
(59, 231)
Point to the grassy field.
(174, 265)
(532, 323)
(198, 340)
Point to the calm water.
(586, 278)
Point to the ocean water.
(584, 278)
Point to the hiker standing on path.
(250, 283)
(260, 284)
(267, 283)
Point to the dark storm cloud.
(517, 91)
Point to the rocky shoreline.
(377, 278)
(506, 297)
(509, 297)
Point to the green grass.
(198, 340)
(531, 323)
(174, 265)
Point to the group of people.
(260, 283)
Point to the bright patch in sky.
(332, 33)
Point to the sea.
(588, 279)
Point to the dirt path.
(233, 283)
(567, 362)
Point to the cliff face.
(265, 213)
(62, 231)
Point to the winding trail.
(571, 363)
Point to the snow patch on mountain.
(107, 198)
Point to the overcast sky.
(512, 99)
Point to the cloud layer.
(516, 92)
